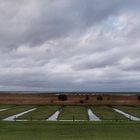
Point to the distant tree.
(62, 97)
(138, 97)
(100, 98)
(81, 101)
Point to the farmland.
(135, 110)
(107, 113)
(14, 110)
(72, 123)
(74, 112)
(67, 112)
(42, 113)
(69, 130)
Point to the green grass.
(73, 112)
(132, 110)
(107, 113)
(14, 110)
(5, 106)
(69, 131)
(42, 113)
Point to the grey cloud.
(35, 22)
(69, 45)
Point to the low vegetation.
(5, 106)
(74, 113)
(42, 113)
(107, 113)
(14, 110)
(69, 130)
(132, 110)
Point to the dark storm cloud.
(37, 21)
(69, 44)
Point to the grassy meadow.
(41, 113)
(14, 110)
(73, 113)
(42, 130)
(133, 110)
(107, 113)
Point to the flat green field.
(42, 113)
(73, 112)
(132, 110)
(69, 130)
(107, 113)
(14, 110)
(87, 130)
(5, 106)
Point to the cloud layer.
(90, 45)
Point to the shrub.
(81, 101)
(62, 97)
(100, 98)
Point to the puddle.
(54, 116)
(92, 116)
(4, 109)
(127, 115)
(12, 118)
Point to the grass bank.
(69, 130)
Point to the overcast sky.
(82, 45)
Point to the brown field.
(70, 98)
